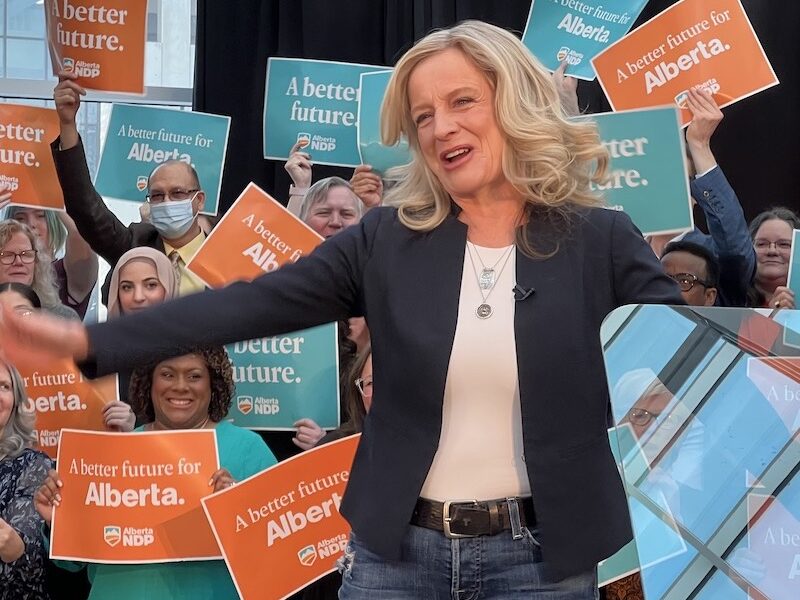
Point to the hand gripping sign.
(576, 30)
(134, 497)
(710, 43)
(281, 529)
(26, 163)
(101, 41)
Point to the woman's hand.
(48, 496)
(118, 416)
(782, 298)
(308, 434)
(11, 544)
(299, 166)
(221, 480)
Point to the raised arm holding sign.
(710, 43)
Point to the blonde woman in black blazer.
(497, 170)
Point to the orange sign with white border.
(257, 235)
(286, 517)
(134, 497)
(26, 162)
(709, 43)
(102, 41)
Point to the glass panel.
(706, 406)
(25, 18)
(25, 59)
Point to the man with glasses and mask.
(695, 269)
(174, 195)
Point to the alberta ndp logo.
(567, 54)
(307, 556)
(141, 182)
(244, 404)
(112, 534)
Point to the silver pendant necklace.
(487, 278)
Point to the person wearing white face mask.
(174, 197)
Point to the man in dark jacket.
(174, 194)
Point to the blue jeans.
(434, 567)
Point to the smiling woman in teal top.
(192, 391)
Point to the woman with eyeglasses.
(73, 260)
(772, 239)
(23, 259)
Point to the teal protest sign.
(648, 178)
(285, 378)
(139, 138)
(371, 150)
(314, 102)
(793, 282)
(576, 30)
(791, 331)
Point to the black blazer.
(407, 284)
(100, 227)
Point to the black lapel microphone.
(521, 293)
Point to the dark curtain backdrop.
(755, 145)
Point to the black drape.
(755, 145)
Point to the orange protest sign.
(61, 398)
(101, 41)
(134, 497)
(257, 235)
(694, 42)
(26, 163)
(286, 518)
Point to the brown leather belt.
(471, 518)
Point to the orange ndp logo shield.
(112, 534)
(307, 556)
(69, 64)
(244, 404)
(141, 183)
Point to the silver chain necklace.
(487, 278)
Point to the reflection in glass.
(706, 410)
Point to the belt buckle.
(446, 518)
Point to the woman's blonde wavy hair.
(549, 159)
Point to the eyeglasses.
(686, 281)
(26, 256)
(642, 417)
(763, 245)
(178, 194)
(364, 385)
